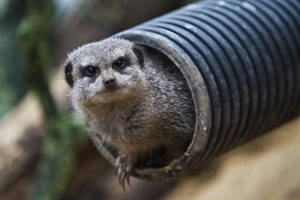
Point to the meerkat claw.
(123, 170)
(124, 179)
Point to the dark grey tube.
(241, 60)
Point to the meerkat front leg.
(124, 167)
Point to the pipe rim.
(201, 101)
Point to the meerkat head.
(104, 71)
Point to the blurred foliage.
(58, 158)
(12, 82)
(34, 35)
(59, 149)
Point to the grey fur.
(151, 108)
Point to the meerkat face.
(104, 71)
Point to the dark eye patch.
(69, 75)
(121, 63)
(90, 71)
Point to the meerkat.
(134, 98)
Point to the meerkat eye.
(121, 63)
(90, 71)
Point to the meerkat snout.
(109, 79)
(110, 82)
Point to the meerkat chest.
(109, 121)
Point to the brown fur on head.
(104, 71)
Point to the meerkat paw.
(124, 168)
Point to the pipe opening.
(161, 165)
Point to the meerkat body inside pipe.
(135, 99)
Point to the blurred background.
(46, 154)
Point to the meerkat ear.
(68, 74)
(138, 53)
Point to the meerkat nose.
(109, 82)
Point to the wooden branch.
(21, 134)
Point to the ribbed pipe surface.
(241, 60)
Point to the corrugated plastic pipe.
(241, 60)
